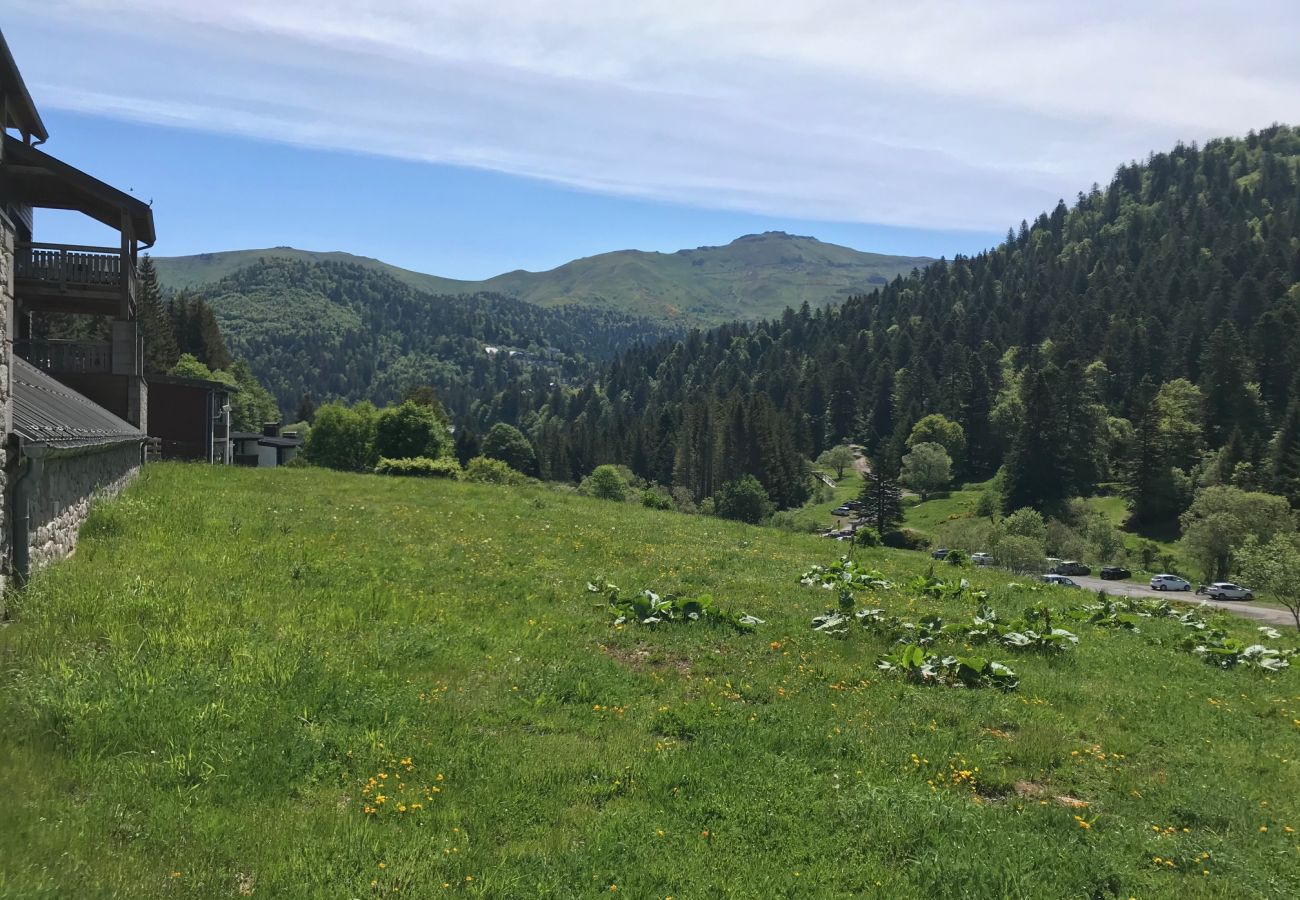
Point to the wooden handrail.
(76, 248)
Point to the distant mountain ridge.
(753, 277)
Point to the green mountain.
(754, 277)
(1148, 335)
(336, 329)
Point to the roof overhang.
(19, 110)
(38, 179)
(48, 413)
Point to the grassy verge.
(196, 705)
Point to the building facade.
(72, 412)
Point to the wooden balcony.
(68, 357)
(68, 278)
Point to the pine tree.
(160, 350)
(1038, 467)
(882, 500)
(1286, 455)
(306, 409)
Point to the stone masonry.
(68, 486)
(7, 307)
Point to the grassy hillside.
(196, 703)
(753, 277)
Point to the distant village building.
(267, 449)
(73, 413)
(190, 418)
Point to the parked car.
(1169, 583)
(981, 559)
(853, 504)
(841, 511)
(1115, 573)
(1059, 580)
(1051, 563)
(1072, 567)
(1226, 590)
(941, 553)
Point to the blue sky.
(220, 192)
(467, 137)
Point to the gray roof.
(47, 412)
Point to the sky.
(470, 137)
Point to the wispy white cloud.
(932, 114)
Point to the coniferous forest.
(1149, 335)
(1145, 337)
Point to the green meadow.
(211, 697)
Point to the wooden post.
(128, 271)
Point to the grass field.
(196, 704)
(926, 517)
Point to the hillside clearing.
(197, 702)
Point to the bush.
(905, 539)
(684, 500)
(604, 483)
(655, 498)
(410, 430)
(744, 500)
(491, 471)
(343, 438)
(419, 467)
(508, 444)
(866, 537)
(957, 558)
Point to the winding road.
(1266, 614)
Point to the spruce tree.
(160, 350)
(1038, 469)
(1285, 461)
(882, 500)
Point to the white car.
(1226, 590)
(1169, 583)
(981, 559)
(1060, 581)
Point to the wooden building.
(72, 412)
(190, 418)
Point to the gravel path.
(1277, 617)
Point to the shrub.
(419, 467)
(957, 558)
(866, 537)
(744, 500)
(905, 539)
(343, 438)
(483, 470)
(604, 483)
(410, 430)
(683, 500)
(508, 444)
(655, 498)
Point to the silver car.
(1169, 583)
(1226, 590)
(1060, 580)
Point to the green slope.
(753, 277)
(195, 704)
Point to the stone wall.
(69, 484)
(6, 351)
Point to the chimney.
(271, 429)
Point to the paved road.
(1265, 614)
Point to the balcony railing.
(68, 357)
(76, 272)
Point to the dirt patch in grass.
(640, 659)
